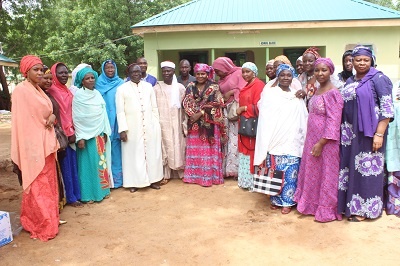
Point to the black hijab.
(346, 74)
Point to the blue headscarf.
(251, 66)
(82, 73)
(107, 88)
(104, 83)
(284, 67)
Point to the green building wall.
(333, 42)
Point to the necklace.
(310, 77)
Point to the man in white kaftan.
(169, 94)
(140, 132)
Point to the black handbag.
(248, 126)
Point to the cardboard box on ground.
(5, 229)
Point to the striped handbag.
(268, 180)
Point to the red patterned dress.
(203, 142)
(317, 185)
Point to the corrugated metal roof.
(261, 11)
(5, 61)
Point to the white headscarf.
(175, 95)
(73, 88)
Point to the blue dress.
(108, 87)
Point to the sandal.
(286, 210)
(77, 204)
(164, 182)
(133, 190)
(274, 207)
(356, 219)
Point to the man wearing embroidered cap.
(169, 95)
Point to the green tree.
(93, 31)
(76, 31)
(386, 3)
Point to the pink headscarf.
(225, 65)
(63, 96)
(233, 79)
(200, 67)
(328, 62)
(27, 62)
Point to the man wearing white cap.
(169, 95)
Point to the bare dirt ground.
(185, 224)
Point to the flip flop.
(355, 219)
(77, 204)
(274, 207)
(164, 182)
(133, 190)
(286, 210)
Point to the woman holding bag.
(248, 98)
(283, 124)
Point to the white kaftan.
(171, 121)
(137, 114)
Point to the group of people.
(326, 133)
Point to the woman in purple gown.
(368, 108)
(317, 183)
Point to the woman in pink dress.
(203, 104)
(33, 149)
(317, 185)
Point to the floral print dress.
(361, 175)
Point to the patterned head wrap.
(81, 75)
(46, 70)
(327, 61)
(363, 50)
(200, 67)
(251, 66)
(284, 67)
(283, 59)
(27, 62)
(314, 51)
(270, 62)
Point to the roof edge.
(164, 13)
(386, 9)
(390, 22)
